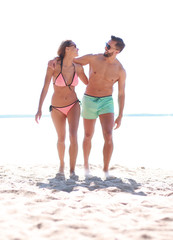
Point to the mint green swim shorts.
(92, 107)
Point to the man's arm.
(84, 60)
(121, 97)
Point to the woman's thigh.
(59, 120)
(73, 119)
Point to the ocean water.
(141, 141)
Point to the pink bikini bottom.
(65, 109)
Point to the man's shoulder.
(122, 71)
(96, 57)
(120, 65)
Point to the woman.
(65, 104)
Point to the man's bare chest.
(105, 72)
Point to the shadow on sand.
(94, 184)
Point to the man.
(104, 71)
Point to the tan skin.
(64, 96)
(104, 72)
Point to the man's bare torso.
(102, 76)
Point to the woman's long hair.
(61, 50)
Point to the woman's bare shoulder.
(54, 62)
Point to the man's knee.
(88, 135)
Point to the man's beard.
(107, 54)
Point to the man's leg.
(107, 123)
(89, 125)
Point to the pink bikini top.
(60, 80)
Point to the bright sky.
(31, 31)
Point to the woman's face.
(73, 50)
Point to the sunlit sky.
(31, 31)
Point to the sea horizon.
(125, 115)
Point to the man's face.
(110, 49)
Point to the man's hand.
(117, 122)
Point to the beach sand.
(137, 204)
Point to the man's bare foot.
(87, 174)
(108, 176)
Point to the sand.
(136, 204)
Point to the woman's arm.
(44, 91)
(81, 74)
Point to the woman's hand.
(38, 116)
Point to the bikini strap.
(61, 64)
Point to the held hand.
(117, 122)
(38, 116)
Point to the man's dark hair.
(119, 43)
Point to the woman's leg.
(73, 120)
(59, 120)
